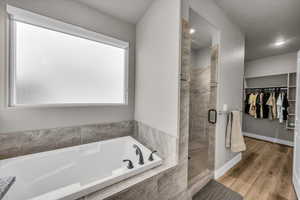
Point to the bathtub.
(70, 173)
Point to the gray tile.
(67, 137)
(98, 132)
(164, 144)
(28, 142)
(173, 182)
(38, 141)
(144, 191)
(10, 145)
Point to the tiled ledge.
(143, 179)
(28, 142)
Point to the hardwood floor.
(265, 172)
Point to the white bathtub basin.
(69, 173)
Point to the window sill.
(67, 105)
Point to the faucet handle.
(151, 155)
(130, 165)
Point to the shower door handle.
(212, 116)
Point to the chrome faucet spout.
(139, 152)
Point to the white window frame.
(24, 16)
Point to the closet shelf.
(283, 86)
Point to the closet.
(266, 127)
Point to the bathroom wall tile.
(10, 145)
(211, 149)
(67, 137)
(184, 121)
(144, 191)
(185, 52)
(173, 182)
(164, 144)
(214, 63)
(182, 196)
(28, 142)
(200, 79)
(98, 132)
(38, 141)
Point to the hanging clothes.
(261, 99)
(279, 108)
(258, 106)
(285, 105)
(252, 102)
(272, 106)
(270, 103)
(247, 105)
(266, 108)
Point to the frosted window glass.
(57, 68)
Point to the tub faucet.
(138, 152)
(130, 165)
(151, 156)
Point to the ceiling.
(204, 31)
(130, 10)
(265, 22)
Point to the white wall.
(231, 69)
(279, 64)
(157, 66)
(73, 13)
(201, 58)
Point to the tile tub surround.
(28, 142)
(154, 139)
(73, 172)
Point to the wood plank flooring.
(265, 172)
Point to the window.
(54, 63)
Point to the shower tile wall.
(204, 84)
(198, 137)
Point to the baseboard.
(296, 182)
(269, 139)
(228, 165)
